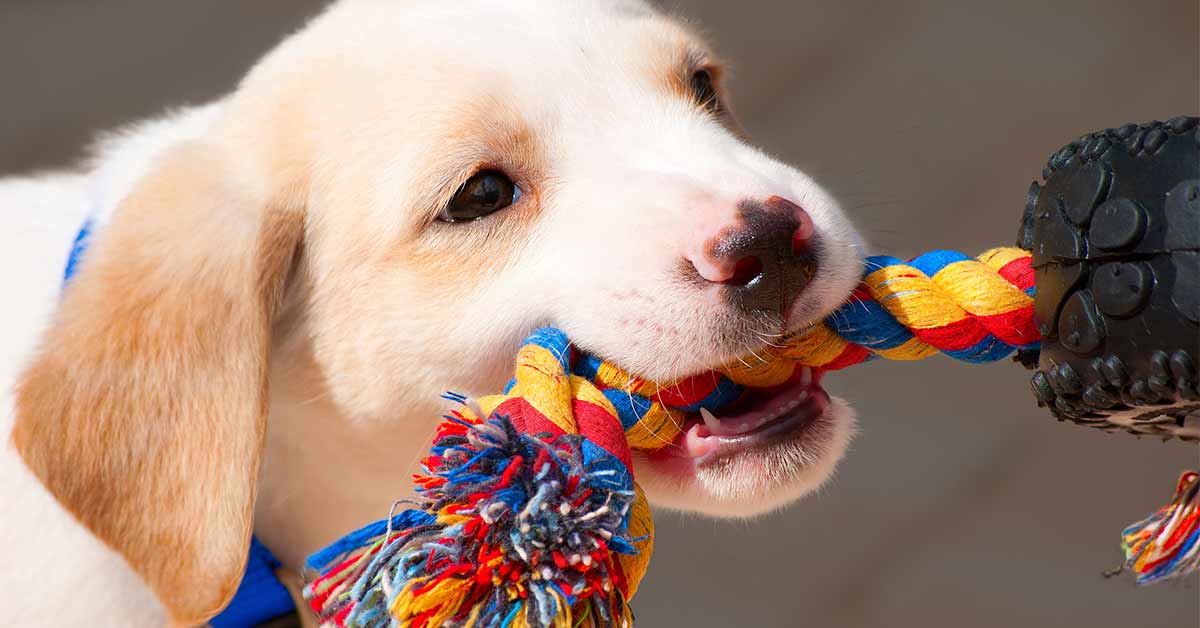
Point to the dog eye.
(704, 91)
(486, 192)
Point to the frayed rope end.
(1165, 545)
(516, 529)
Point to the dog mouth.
(759, 417)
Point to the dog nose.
(766, 259)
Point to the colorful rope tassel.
(1167, 543)
(529, 515)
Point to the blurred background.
(961, 503)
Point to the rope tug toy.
(529, 513)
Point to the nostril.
(765, 258)
(745, 270)
(802, 236)
(803, 233)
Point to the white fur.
(639, 177)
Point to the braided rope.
(531, 516)
(974, 310)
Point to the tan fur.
(149, 396)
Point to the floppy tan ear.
(144, 412)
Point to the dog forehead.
(537, 39)
(552, 13)
(559, 70)
(390, 80)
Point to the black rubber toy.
(1115, 234)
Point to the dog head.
(393, 199)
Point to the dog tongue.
(759, 407)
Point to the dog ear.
(144, 411)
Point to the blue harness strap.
(260, 596)
(78, 246)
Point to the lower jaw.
(791, 429)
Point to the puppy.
(278, 286)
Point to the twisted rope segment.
(530, 515)
(973, 310)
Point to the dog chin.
(753, 477)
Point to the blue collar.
(260, 596)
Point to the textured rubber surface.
(1115, 235)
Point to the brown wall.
(961, 504)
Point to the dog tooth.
(712, 422)
(805, 376)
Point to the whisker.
(670, 415)
(873, 204)
(767, 340)
(313, 399)
(872, 265)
